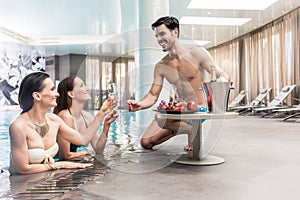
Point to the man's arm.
(151, 97)
(206, 61)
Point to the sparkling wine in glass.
(112, 93)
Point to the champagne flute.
(112, 93)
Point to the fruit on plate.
(176, 106)
(192, 105)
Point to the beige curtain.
(268, 57)
(227, 58)
(295, 24)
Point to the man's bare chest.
(182, 70)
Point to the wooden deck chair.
(238, 99)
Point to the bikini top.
(38, 155)
(73, 147)
(86, 125)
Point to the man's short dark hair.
(169, 21)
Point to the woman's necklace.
(41, 130)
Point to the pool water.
(123, 139)
(6, 117)
(123, 126)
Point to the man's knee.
(146, 143)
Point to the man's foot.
(188, 147)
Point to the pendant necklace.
(41, 130)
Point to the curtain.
(267, 57)
(227, 58)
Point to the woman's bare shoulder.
(53, 117)
(65, 115)
(18, 125)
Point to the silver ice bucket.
(217, 94)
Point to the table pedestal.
(197, 157)
(207, 160)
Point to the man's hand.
(133, 105)
(224, 77)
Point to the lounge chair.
(255, 103)
(293, 115)
(288, 113)
(277, 102)
(238, 99)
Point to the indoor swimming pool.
(6, 117)
(124, 125)
(123, 142)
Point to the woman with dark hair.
(73, 95)
(34, 132)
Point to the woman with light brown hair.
(73, 95)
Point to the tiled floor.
(262, 162)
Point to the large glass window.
(100, 72)
(93, 81)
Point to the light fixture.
(220, 21)
(8, 36)
(231, 4)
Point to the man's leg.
(161, 130)
(180, 127)
(155, 135)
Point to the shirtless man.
(182, 67)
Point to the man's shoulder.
(165, 60)
(197, 52)
(162, 62)
(196, 49)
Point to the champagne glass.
(112, 93)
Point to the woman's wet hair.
(31, 83)
(169, 21)
(64, 101)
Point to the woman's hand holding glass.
(110, 118)
(112, 92)
(107, 106)
(113, 95)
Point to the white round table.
(197, 157)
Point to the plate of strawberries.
(173, 107)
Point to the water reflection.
(122, 129)
(49, 185)
(5, 119)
